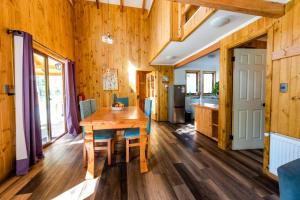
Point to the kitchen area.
(194, 97)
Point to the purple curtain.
(71, 100)
(31, 128)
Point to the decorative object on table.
(118, 106)
(110, 79)
(215, 90)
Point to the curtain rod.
(10, 31)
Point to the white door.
(248, 98)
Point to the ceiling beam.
(97, 3)
(144, 6)
(121, 5)
(253, 7)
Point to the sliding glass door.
(56, 96)
(50, 87)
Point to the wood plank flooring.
(184, 165)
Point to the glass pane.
(207, 83)
(191, 83)
(39, 64)
(56, 91)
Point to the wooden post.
(268, 99)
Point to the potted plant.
(215, 90)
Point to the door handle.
(264, 104)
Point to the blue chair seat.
(131, 132)
(104, 134)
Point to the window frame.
(47, 56)
(213, 81)
(198, 73)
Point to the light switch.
(283, 87)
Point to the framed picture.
(110, 79)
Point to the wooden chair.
(93, 105)
(102, 136)
(134, 133)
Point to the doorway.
(248, 108)
(141, 88)
(152, 92)
(51, 96)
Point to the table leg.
(143, 160)
(148, 147)
(90, 147)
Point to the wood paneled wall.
(160, 26)
(285, 109)
(167, 71)
(129, 52)
(282, 109)
(51, 23)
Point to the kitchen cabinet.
(206, 119)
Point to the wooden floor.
(184, 165)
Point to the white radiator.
(283, 149)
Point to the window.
(208, 82)
(192, 82)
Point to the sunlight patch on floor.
(81, 191)
(186, 129)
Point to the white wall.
(204, 64)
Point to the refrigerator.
(176, 103)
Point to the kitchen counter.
(211, 106)
(206, 119)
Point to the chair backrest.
(85, 108)
(148, 111)
(93, 105)
(123, 100)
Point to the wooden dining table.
(106, 118)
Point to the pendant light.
(107, 38)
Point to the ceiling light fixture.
(219, 21)
(169, 57)
(107, 38)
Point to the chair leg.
(148, 147)
(127, 150)
(84, 157)
(109, 152)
